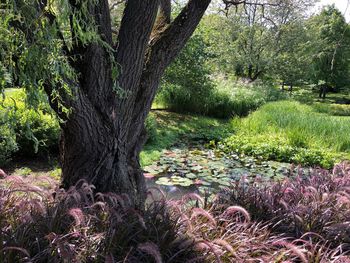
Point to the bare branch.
(230, 3)
(115, 4)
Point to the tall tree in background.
(293, 59)
(330, 49)
(252, 38)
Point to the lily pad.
(191, 176)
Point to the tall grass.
(226, 99)
(285, 130)
(309, 217)
(332, 109)
(300, 125)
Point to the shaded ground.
(181, 157)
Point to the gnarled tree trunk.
(103, 136)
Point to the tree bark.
(103, 136)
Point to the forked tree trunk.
(103, 136)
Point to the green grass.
(332, 109)
(172, 128)
(293, 132)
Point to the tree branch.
(134, 33)
(136, 25)
(163, 49)
(230, 3)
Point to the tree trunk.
(323, 91)
(90, 151)
(103, 136)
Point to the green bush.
(186, 85)
(276, 148)
(8, 143)
(232, 98)
(30, 131)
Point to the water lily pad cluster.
(210, 168)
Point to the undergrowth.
(303, 220)
(24, 130)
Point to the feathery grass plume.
(294, 249)
(317, 202)
(74, 226)
(78, 215)
(152, 250)
(196, 212)
(158, 190)
(225, 245)
(231, 210)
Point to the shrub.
(8, 144)
(151, 127)
(36, 130)
(186, 84)
(277, 148)
(226, 99)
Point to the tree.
(106, 87)
(330, 50)
(186, 85)
(258, 35)
(292, 60)
(100, 80)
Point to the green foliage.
(151, 127)
(173, 128)
(31, 131)
(238, 99)
(268, 147)
(329, 48)
(8, 143)
(292, 132)
(186, 85)
(291, 64)
(36, 40)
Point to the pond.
(197, 169)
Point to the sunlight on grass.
(290, 131)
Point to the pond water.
(195, 168)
